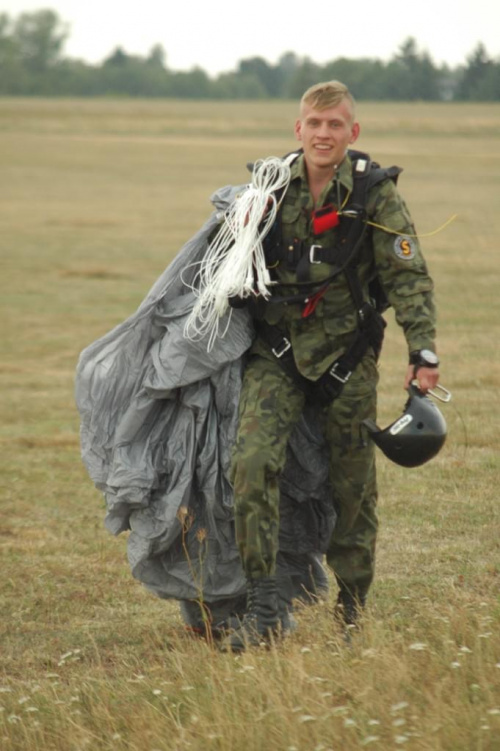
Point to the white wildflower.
(398, 707)
(340, 710)
(418, 646)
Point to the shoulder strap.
(366, 174)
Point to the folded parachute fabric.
(158, 420)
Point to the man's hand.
(427, 378)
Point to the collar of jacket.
(344, 172)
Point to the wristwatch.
(424, 358)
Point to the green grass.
(97, 197)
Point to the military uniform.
(271, 401)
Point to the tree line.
(32, 63)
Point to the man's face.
(326, 134)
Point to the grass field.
(96, 198)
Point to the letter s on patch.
(404, 247)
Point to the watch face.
(429, 357)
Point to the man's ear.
(298, 129)
(355, 131)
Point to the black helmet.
(416, 436)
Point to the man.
(316, 348)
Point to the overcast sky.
(216, 35)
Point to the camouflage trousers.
(270, 406)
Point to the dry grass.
(96, 198)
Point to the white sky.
(217, 35)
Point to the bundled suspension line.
(235, 264)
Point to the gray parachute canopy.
(158, 420)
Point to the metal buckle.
(342, 378)
(283, 347)
(311, 253)
(446, 394)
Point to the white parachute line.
(234, 264)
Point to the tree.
(132, 75)
(265, 74)
(39, 38)
(237, 86)
(305, 76)
(157, 57)
(193, 84)
(411, 74)
(117, 59)
(363, 77)
(480, 77)
(288, 63)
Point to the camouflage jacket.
(393, 256)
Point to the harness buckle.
(280, 350)
(342, 377)
(312, 253)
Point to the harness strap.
(343, 256)
(330, 384)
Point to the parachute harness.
(235, 264)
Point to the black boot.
(261, 620)
(349, 610)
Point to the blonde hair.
(327, 94)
